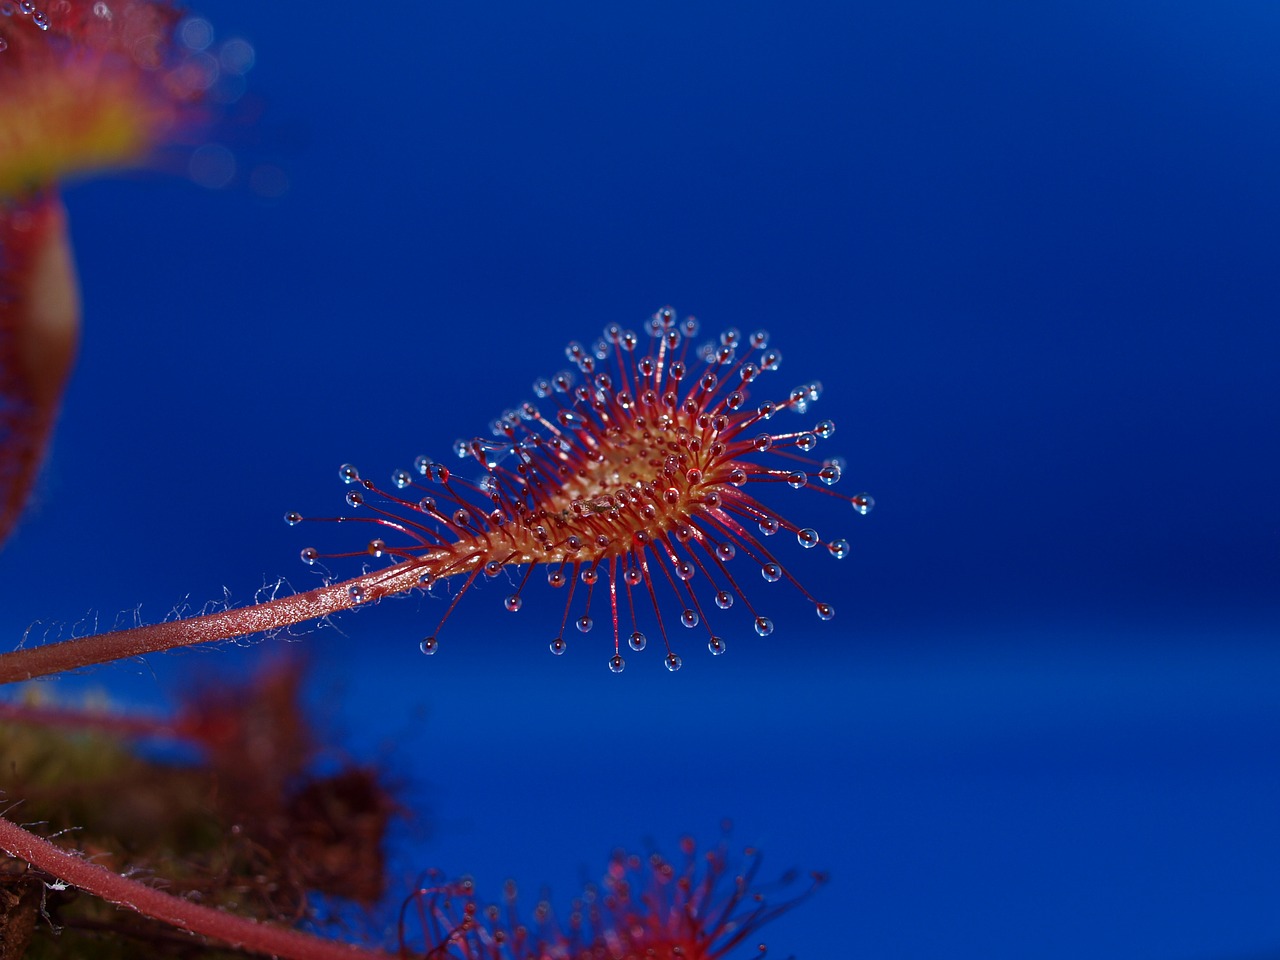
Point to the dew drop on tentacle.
(584, 624)
(808, 538)
(838, 549)
(293, 518)
(512, 603)
(429, 645)
(348, 473)
(771, 572)
(673, 662)
(309, 555)
(637, 641)
(863, 503)
(616, 663)
(825, 611)
(716, 646)
(764, 626)
(558, 646)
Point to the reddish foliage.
(39, 329)
(646, 908)
(325, 832)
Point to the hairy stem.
(239, 932)
(52, 658)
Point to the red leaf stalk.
(272, 615)
(239, 932)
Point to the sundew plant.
(660, 482)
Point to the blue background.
(1032, 255)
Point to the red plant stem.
(51, 658)
(98, 721)
(239, 932)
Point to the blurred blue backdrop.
(1032, 255)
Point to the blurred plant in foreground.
(85, 85)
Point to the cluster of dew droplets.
(194, 65)
(25, 8)
(41, 19)
(629, 478)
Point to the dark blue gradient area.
(1032, 255)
